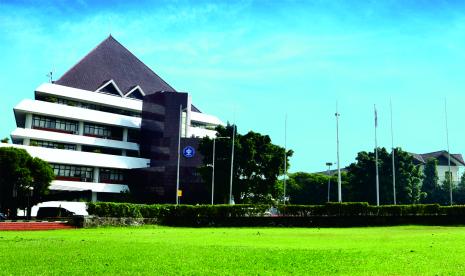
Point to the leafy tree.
(430, 182)
(312, 188)
(5, 140)
(434, 193)
(459, 192)
(446, 187)
(257, 165)
(22, 179)
(362, 178)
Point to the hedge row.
(160, 211)
(167, 211)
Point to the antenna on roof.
(50, 75)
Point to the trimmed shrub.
(330, 214)
(111, 209)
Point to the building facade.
(87, 125)
(442, 158)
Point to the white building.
(442, 157)
(87, 123)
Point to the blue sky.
(264, 59)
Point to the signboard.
(188, 152)
(179, 192)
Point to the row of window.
(54, 123)
(89, 106)
(111, 176)
(55, 145)
(52, 145)
(76, 173)
(62, 125)
(95, 130)
(85, 174)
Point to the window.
(133, 135)
(52, 145)
(110, 88)
(73, 173)
(111, 176)
(95, 130)
(54, 124)
(136, 94)
(102, 108)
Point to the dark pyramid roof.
(422, 158)
(111, 60)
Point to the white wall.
(76, 113)
(80, 158)
(37, 134)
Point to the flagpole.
(285, 156)
(448, 153)
(376, 160)
(393, 163)
(339, 194)
(179, 154)
(232, 162)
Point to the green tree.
(312, 188)
(257, 165)
(362, 178)
(23, 179)
(433, 192)
(459, 192)
(430, 182)
(446, 187)
(5, 140)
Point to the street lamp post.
(213, 164)
(329, 164)
(29, 195)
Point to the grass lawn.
(405, 250)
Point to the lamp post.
(29, 195)
(329, 164)
(213, 164)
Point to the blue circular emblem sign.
(188, 152)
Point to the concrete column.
(81, 128)
(94, 196)
(26, 141)
(125, 134)
(79, 147)
(123, 152)
(28, 123)
(96, 175)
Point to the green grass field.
(407, 250)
